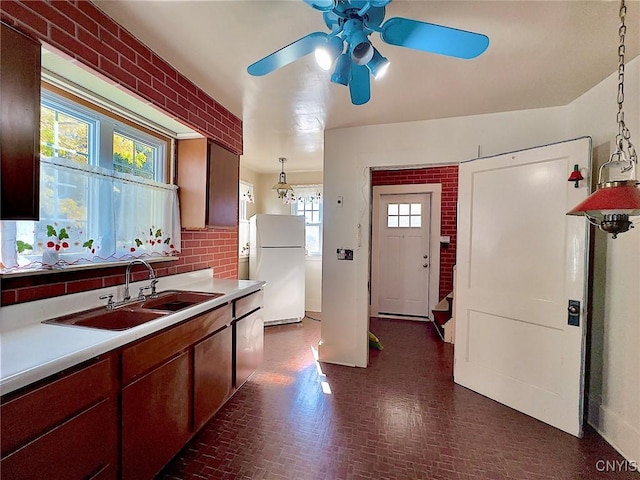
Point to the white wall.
(350, 152)
(614, 396)
(313, 283)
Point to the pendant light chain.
(623, 139)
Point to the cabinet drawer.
(248, 304)
(28, 416)
(77, 449)
(143, 356)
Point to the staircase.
(442, 313)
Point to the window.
(134, 156)
(308, 203)
(400, 215)
(102, 191)
(65, 133)
(245, 197)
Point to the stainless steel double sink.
(134, 313)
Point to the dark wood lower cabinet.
(79, 448)
(212, 375)
(126, 415)
(66, 428)
(155, 418)
(249, 346)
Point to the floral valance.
(304, 193)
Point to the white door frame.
(435, 190)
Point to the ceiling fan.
(347, 46)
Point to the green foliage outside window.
(131, 156)
(63, 136)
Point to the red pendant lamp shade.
(611, 198)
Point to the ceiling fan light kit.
(378, 65)
(327, 54)
(618, 198)
(351, 22)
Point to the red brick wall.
(447, 176)
(83, 32)
(200, 249)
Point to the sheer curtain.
(92, 214)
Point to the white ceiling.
(541, 54)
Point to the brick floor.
(401, 418)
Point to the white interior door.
(520, 260)
(403, 256)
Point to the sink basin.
(174, 300)
(117, 319)
(134, 313)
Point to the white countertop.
(31, 350)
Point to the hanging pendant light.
(282, 187)
(618, 198)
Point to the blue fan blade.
(322, 5)
(359, 86)
(292, 52)
(429, 37)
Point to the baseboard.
(283, 321)
(403, 317)
(614, 429)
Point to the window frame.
(295, 211)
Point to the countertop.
(31, 350)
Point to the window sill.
(25, 272)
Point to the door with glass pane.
(403, 255)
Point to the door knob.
(425, 265)
(425, 256)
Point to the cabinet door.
(222, 187)
(155, 418)
(212, 375)
(78, 449)
(67, 425)
(249, 345)
(19, 126)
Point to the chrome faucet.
(127, 279)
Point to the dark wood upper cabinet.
(208, 176)
(19, 126)
(223, 178)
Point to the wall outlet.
(345, 254)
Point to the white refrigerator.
(276, 256)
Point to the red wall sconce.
(576, 176)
